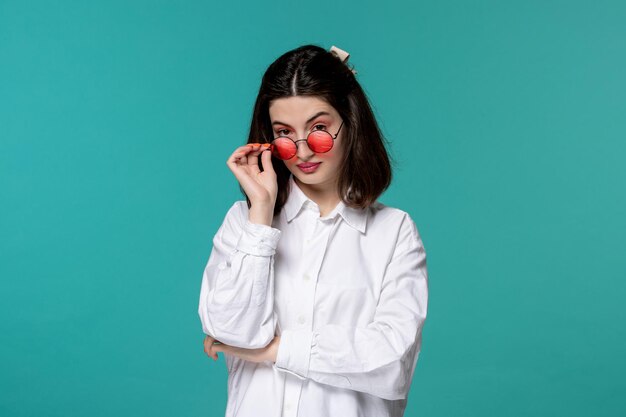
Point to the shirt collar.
(356, 218)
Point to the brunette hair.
(312, 71)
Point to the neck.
(326, 196)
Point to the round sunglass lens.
(320, 141)
(284, 148)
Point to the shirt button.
(287, 406)
(306, 277)
(301, 320)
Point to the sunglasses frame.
(333, 137)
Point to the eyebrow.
(315, 116)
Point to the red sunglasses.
(319, 141)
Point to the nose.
(303, 151)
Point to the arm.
(236, 303)
(378, 359)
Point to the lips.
(308, 167)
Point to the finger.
(211, 348)
(247, 148)
(220, 347)
(246, 163)
(253, 160)
(214, 352)
(225, 349)
(240, 153)
(246, 175)
(208, 342)
(266, 159)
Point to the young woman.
(315, 292)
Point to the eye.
(322, 127)
(283, 132)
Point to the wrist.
(261, 214)
(273, 351)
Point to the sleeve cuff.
(258, 239)
(294, 352)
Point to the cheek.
(334, 154)
(290, 163)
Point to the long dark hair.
(312, 71)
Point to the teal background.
(507, 121)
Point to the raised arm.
(237, 294)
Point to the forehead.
(297, 109)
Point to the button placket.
(293, 387)
(313, 250)
(310, 239)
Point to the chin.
(316, 178)
(307, 179)
(313, 180)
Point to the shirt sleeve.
(380, 358)
(236, 304)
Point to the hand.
(267, 353)
(260, 186)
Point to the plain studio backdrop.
(507, 121)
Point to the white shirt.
(346, 292)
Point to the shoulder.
(392, 220)
(381, 213)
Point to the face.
(297, 116)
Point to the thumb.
(266, 160)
